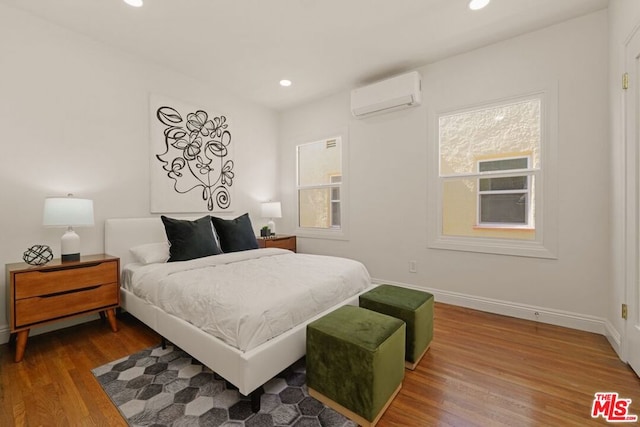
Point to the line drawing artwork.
(196, 155)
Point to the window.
(486, 193)
(505, 201)
(320, 187)
(335, 201)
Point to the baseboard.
(4, 335)
(567, 319)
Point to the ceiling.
(323, 46)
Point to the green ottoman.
(355, 362)
(412, 306)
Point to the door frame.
(631, 335)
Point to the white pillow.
(150, 253)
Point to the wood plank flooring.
(481, 370)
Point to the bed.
(248, 362)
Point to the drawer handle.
(72, 291)
(61, 268)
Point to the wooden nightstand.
(278, 241)
(42, 294)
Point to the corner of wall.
(614, 338)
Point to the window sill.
(521, 248)
(506, 228)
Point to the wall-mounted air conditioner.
(392, 94)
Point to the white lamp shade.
(271, 210)
(67, 211)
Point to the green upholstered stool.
(355, 362)
(412, 306)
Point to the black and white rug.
(157, 387)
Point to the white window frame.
(333, 201)
(545, 244)
(505, 173)
(340, 233)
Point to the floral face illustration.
(195, 155)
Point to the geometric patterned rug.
(157, 387)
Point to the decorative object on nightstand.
(265, 232)
(271, 210)
(68, 212)
(37, 255)
(278, 241)
(60, 290)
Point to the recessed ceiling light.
(285, 83)
(478, 4)
(134, 3)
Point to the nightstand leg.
(21, 344)
(111, 316)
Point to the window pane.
(335, 214)
(469, 137)
(319, 164)
(504, 164)
(503, 208)
(319, 161)
(501, 184)
(335, 194)
(460, 213)
(314, 207)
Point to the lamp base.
(70, 246)
(272, 227)
(70, 257)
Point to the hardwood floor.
(485, 370)
(481, 370)
(54, 386)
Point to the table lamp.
(68, 212)
(271, 210)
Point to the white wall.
(624, 19)
(388, 178)
(75, 118)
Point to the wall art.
(191, 163)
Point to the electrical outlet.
(413, 267)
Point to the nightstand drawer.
(282, 244)
(279, 241)
(50, 281)
(41, 308)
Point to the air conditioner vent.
(388, 95)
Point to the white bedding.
(246, 298)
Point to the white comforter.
(246, 298)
